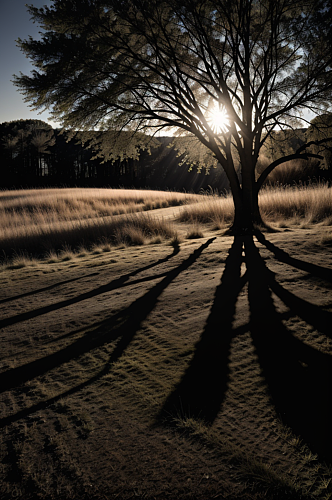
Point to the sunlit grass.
(48, 205)
(54, 224)
(32, 211)
(46, 222)
(212, 209)
(282, 206)
(298, 203)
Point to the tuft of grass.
(175, 241)
(51, 257)
(326, 238)
(129, 235)
(195, 232)
(20, 260)
(66, 253)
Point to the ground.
(194, 371)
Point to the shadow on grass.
(46, 288)
(203, 386)
(299, 376)
(121, 327)
(113, 285)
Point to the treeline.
(33, 154)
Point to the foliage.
(73, 161)
(27, 140)
(320, 130)
(148, 66)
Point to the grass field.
(188, 365)
(52, 223)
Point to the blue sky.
(14, 23)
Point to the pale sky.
(14, 23)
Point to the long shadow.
(201, 391)
(299, 377)
(314, 315)
(122, 326)
(46, 288)
(113, 285)
(313, 269)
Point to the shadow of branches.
(121, 327)
(203, 386)
(299, 376)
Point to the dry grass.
(298, 204)
(54, 205)
(56, 223)
(309, 204)
(212, 210)
(45, 222)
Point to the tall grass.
(212, 209)
(309, 203)
(47, 222)
(279, 205)
(53, 205)
(40, 222)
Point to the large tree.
(151, 65)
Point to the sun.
(218, 120)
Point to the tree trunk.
(247, 215)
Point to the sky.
(15, 23)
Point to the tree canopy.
(174, 65)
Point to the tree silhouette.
(136, 66)
(41, 141)
(24, 142)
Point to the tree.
(42, 140)
(20, 141)
(320, 131)
(143, 66)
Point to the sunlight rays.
(217, 119)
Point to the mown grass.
(41, 452)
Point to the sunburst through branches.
(218, 120)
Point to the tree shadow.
(46, 288)
(298, 376)
(313, 269)
(113, 285)
(202, 388)
(120, 327)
